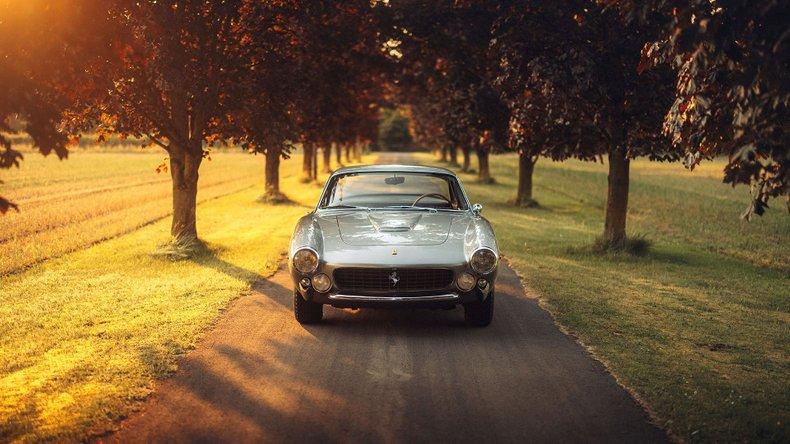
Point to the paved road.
(388, 376)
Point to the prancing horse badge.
(394, 251)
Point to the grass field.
(67, 205)
(86, 335)
(699, 327)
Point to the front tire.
(480, 314)
(307, 312)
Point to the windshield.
(394, 189)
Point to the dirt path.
(392, 376)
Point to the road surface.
(388, 376)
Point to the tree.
(491, 118)
(428, 131)
(428, 107)
(527, 138)
(266, 120)
(731, 94)
(338, 65)
(513, 47)
(441, 49)
(576, 63)
(45, 59)
(176, 82)
(529, 56)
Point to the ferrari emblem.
(394, 251)
(394, 278)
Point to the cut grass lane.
(82, 204)
(697, 328)
(86, 335)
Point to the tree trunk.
(467, 159)
(453, 150)
(358, 148)
(327, 168)
(314, 171)
(307, 162)
(616, 200)
(184, 166)
(443, 154)
(273, 171)
(348, 153)
(526, 167)
(339, 154)
(483, 173)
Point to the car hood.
(395, 228)
(392, 238)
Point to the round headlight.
(466, 281)
(322, 283)
(483, 261)
(305, 260)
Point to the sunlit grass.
(86, 335)
(699, 325)
(66, 205)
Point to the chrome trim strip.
(361, 298)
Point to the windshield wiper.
(408, 207)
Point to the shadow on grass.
(274, 199)
(210, 258)
(213, 261)
(510, 206)
(636, 249)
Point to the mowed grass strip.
(86, 335)
(67, 205)
(699, 326)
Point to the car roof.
(393, 168)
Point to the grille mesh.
(379, 279)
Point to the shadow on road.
(388, 375)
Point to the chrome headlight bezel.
(298, 260)
(480, 268)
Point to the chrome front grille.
(392, 280)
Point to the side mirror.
(477, 208)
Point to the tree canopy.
(45, 68)
(731, 93)
(605, 80)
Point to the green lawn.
(698, 328)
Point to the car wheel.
(480, 314)
(307, 312)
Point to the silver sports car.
(394, 236)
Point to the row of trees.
(188, 75)
(593, 80)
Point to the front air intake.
(392, 280)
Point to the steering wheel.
(440, 196)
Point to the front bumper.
(448, 300)
(444, 298)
